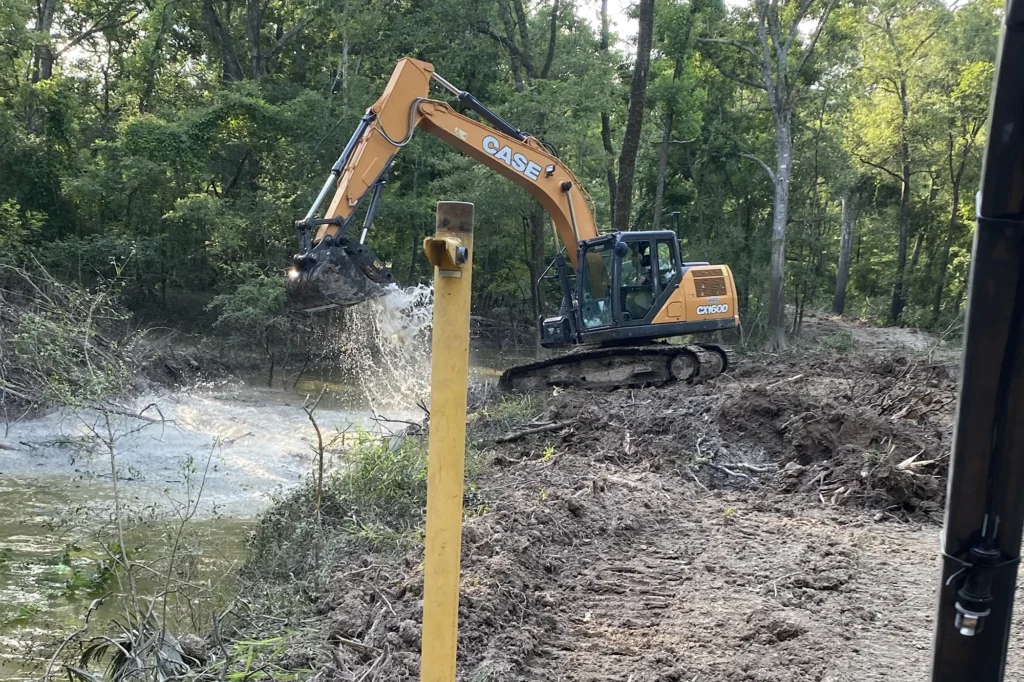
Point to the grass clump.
(374, 500)
(513, 410)
(841, 342)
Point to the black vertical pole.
(985, 503)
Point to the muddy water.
(224, 449)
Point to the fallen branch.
(752, 467)
(737, 474)
(359, 646)
(790, 380)
(516, 435)
(16, 394)
(140, 415)
(697, 480)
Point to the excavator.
(626, 294)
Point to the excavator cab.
(623, 277)
(635, 285)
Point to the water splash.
(386, 341)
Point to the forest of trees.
(828, 150)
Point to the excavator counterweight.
(624, 294)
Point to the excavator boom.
(362, 170)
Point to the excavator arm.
(334, 265)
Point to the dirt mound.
(714, 532)
(866, 431)
(877, 434)
(584, 569)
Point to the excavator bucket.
(336, 275)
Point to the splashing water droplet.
(386, 340)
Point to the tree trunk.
(606, 123)
(798, 309)
(344, 69)
(922, 237)
(702, 232)
(666, 139)
(899, 288)
(783, 168)
(43, 56)
(606, 139)
(915, 255)
(958, 300)
(849, 223)
(510, 35)
(149, 85)
(634, 118)
(522, 23)
(253, 24)
(747, 259)
(231, 67)
(940, 285)
(550, 58)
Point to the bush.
(376, 501)
(61, 344)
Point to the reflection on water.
(56, 539)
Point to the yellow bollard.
(450, 252)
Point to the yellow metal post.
(450, 251)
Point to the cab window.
(596, 286)
(637, 288)
(667, 266)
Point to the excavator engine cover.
(336, 275)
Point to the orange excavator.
(625, 295)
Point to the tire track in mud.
(745, 588)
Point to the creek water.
(217, 453)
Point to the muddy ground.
(777, 524)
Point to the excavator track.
(621, 367)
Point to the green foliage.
(189, 150)
(249, 658)
(254, 307)
(841, 342)
(384, 484)
(375, 499)
(19, 232)
(513, 410)
(23, 616)
(62, 344)
(80, 575)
